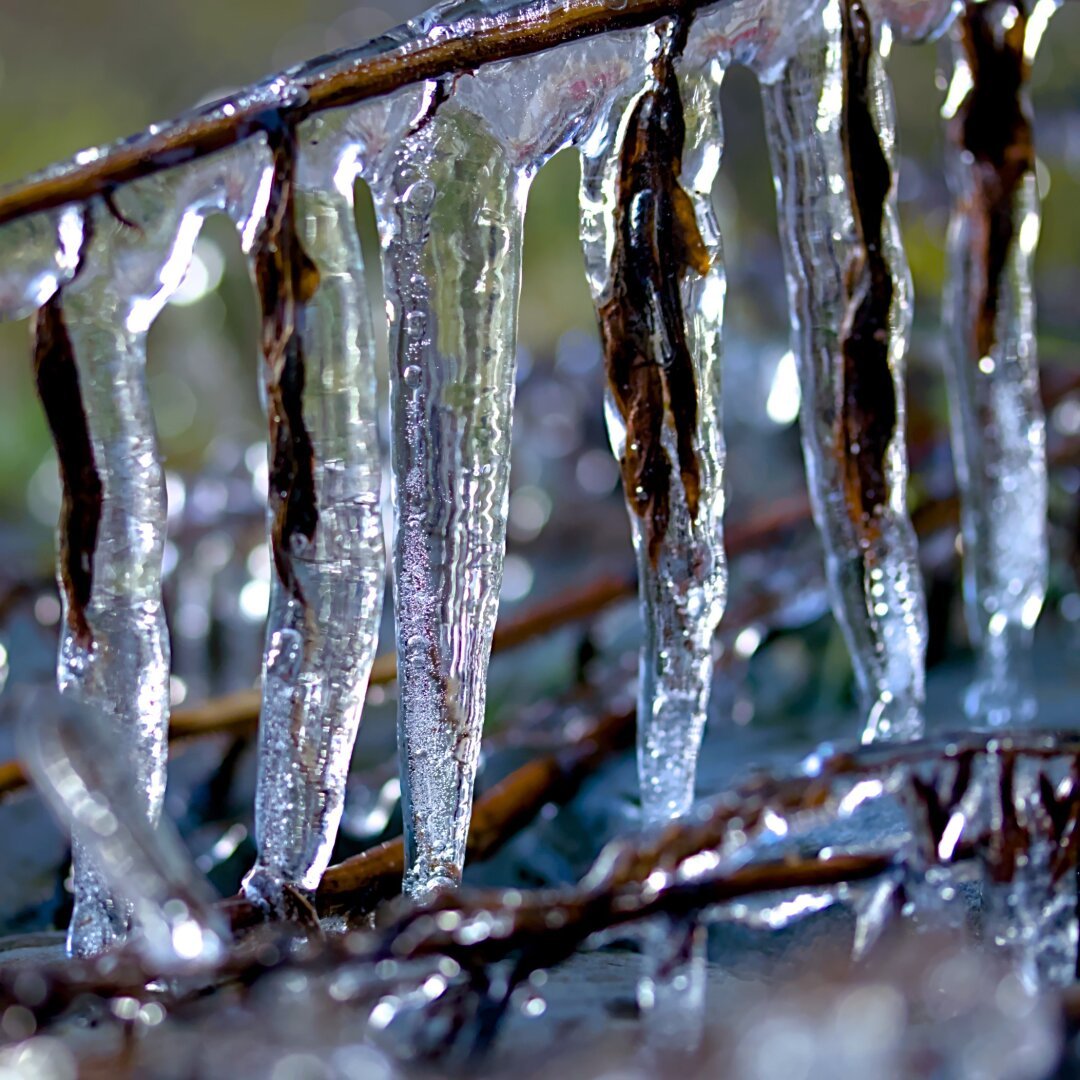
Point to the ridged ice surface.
(450, 204)
(93, 787)
(683, 574)
(319, 647)
(118, 662)
(999, 437)
(852, 410)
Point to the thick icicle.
(450, 214)
(90, 360)
(451, 221)
(324, 514)
(652, 253)
(830, 129)
(94, 790)
(999, 438)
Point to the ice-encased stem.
(118, 662)
(90, 360)
(653, 258)
(319, 649)
(91, 785)
(451, 218)
(831, 137)
(998, 427)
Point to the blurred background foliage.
(74, 74)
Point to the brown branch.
(358, 885)
(356, 77)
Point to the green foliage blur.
(74, 74)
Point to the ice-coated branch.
(998, 425)
(653, 258)
(830, 129)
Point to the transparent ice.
(138, 255)
(999, 436)
(450, 208)
(319, 650)
(38, 255)
(871, 564)
(93, 788)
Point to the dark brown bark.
(993, 126)
(657, 243)
(869, 409)
(286, 279)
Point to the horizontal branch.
(355, 77)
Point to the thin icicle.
(90, 365)
(831, 136)
(93, 789)
(999, 437)
(323, 629)
(652, 253)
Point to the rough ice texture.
(38, 255)
(114, 651)
(322, 630)
(450, 203)
(999, 438)
(831, 137)
(652, 254)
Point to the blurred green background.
(74, 74)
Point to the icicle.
(324, 520)
(451, 220)
(999, 437)
(652, 253)
(90, 364)
(93, 788)
(830, 129)
(450, 214)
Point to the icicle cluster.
(449, 162)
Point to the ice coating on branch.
(323, 624)
(831, 136)
(999, 437)
(450, 208)
(653, 259)
(90, 363)
(93, 788)
(38, 255)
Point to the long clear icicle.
(999, 438)
(653, 258)
(451, 221)
(829, 122)
(321, 635)
(114, 650)
(450, 210)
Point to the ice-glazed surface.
(450, 209)
(93, 788)
(914, 20)
(660, 312)
(831, 137)
(320, 644)
(999, 437)
(114, 651)
(38, 254)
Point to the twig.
(356, 76)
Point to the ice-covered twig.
(998, 424)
